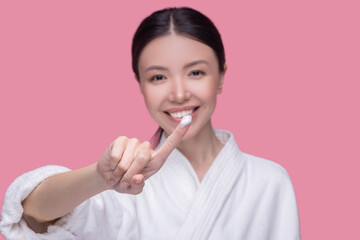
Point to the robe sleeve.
(12, 225)
(103, 216)
(286, 218)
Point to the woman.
(204, 186)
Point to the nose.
(179, 91)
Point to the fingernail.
(185, 121)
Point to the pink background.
(291, 92)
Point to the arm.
(60, 194)
(125, 159)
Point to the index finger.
(174, 139)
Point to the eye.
(197, 73)
(157, 78)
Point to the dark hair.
(183, 21)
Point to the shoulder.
(254, 166)
(265, 171)
(263, 165)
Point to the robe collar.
(230, 148)
(215, 188)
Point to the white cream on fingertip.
(185, 121)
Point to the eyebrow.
(186, 66)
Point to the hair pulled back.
(182, 21)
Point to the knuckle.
(114, 155)
(142, 157)
(134, 140)
(120, 140)
(122, 168)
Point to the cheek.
(149, 101)
(208, 92)
(153, 99)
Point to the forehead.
(174, 50)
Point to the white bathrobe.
(240, 197)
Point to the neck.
(201, 149)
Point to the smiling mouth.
(181, 114)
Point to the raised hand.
(127, 163)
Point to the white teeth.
(182, 113)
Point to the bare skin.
(201, 150)
(126, 159)
(175, 73)
(179, 72)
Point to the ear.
(221, 80)
(140, 85)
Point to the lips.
(179, 109)
(178, 113)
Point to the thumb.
(174, 139)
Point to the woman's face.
(179, 76)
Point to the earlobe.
(138, 81)
(221, 80)
(220, 85)
(140, 86)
